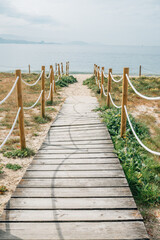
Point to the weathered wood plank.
(72, 192)
(82, 151)
(81, 167)
(74, 174)
(46, 161)
(69, 215)
(75, 155)
(71, 203)
(74, 231)
(81, 182)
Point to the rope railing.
(33, 84)
(10, 92)
(20, 112)
(113, 101)
(134, 133)
(12, 128)
(35, 102)
(104, 91)
(124, 113)
(119, 80)
(48, 74)
(138, 93)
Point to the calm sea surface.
(81, 58)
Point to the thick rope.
(104, 91)
(139, 141)
(139, 94)
(35, 102)
(49, 92)
(10, 91)
(105, 75)
(115, 79)
(113, 101)
(14, 123)
(32, 84)
(48, 74)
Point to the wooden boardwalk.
(75, 187)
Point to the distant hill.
(14, 41)
(11, 41)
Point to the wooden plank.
(82, 167)
(53, 146)
(46, 161)
(82, 151)
(69, 215)
(72, 192)
(71, 203)
(79, 143)
(80, 230)
(61, 183)
(75, 155)
(74, 174)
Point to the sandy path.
(78, 89)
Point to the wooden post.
(51, 82)
(68, 68)
(95, 71)
(124, 101)
(109, 87)
(102, 80)
(54, 82)
(62, 68)
(21, 113)
(59, 73)
(98, 77)
(29, 68)
(56, 69)
(43, 94)
(140, 68)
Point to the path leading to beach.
(75, 187)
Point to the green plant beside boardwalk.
(141, 168)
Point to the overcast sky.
(113, 22)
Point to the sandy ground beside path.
(78, 89)
(11, 178)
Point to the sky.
(110, 22)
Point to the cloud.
(7, 9)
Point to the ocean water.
(82, 58)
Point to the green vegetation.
(3, 189)
(142, 172)
(141, 168)
(66, 80)
(14, 167)
(27, 152)
(41, 120)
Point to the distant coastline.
(14, 41)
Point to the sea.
(81, 57)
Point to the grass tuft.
(18, 153)
(14, 167)
(41, 120)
